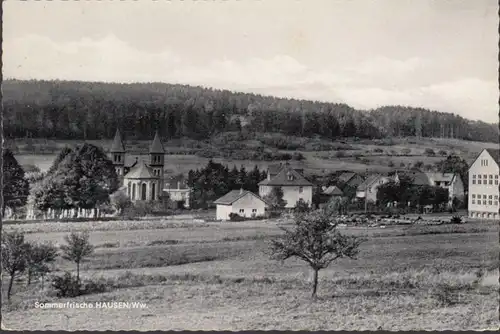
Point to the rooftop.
(233, 196)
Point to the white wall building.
(483, 185)
(451, 181)
(295, 187)
(241, 202)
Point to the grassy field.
(218, 276)
(362, 156)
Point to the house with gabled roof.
(241, 202)
(141, 181)
(294, 185)
(483, 195)
(350, 179)
(451, 181)
(368, 189)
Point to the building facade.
(141, 181)
(295, 187)
(483, 196)
(451, 181)
(367, 190)
(241, 202)
(178, 191)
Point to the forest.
(90, 110)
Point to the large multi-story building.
(483, 185)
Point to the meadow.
(356, 155)
(218, 276)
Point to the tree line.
(215, 180)
(84, 110)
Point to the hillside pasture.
(219, 276)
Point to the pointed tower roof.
(117, 146)
(156, 145)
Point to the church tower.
(157, 159)
(118, 154)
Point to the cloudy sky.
(439, 54)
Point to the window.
(473, 181)
(242, 210)
(490, 176)
(479, 181)
(484, 196)
(478, 202)
(479, 176)
(496, 197)
(496, 176)
(474, 176)
(491, 182)
(490, 196)
(474, 202)
(490, 202)
(485, 176)
(301, 189)
(254, 210)
(473, 196)
(496, 182)
(496, 203)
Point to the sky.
(437, 54)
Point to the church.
(141, 181)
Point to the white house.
(242, 202)
(483, 185)
(367, 190)
(295, 187)
(178, 191)
(451, 181)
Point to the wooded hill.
(86, 110)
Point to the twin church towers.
(141, 180)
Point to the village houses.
(368, 189)
(241, 202)
(483, 185)
(294, 185)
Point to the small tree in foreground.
(38, 258)
(77, 249)
(13, 256)
(315, 240)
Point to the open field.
(316, 161)
(218, 276)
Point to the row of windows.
(243, 210)
(483, 215)
(490, 202)
(484, 162)
(118, 158)
(485, 181)
(484, 176)
(484, 196)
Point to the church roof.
(141, 171)
(117, 146)
(156, 145)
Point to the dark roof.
(495, 154)
(233, 196)
(345, 177)
(287, 176)
(156, 145)
(368, 182)
(117, 146)
(419, 178)
(141, 171)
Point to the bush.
(378, 150)
(234, 217)
(340, 154)
(429, 152)
(443, 153)
(456, 220)
(89, 287)
(66, 285)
